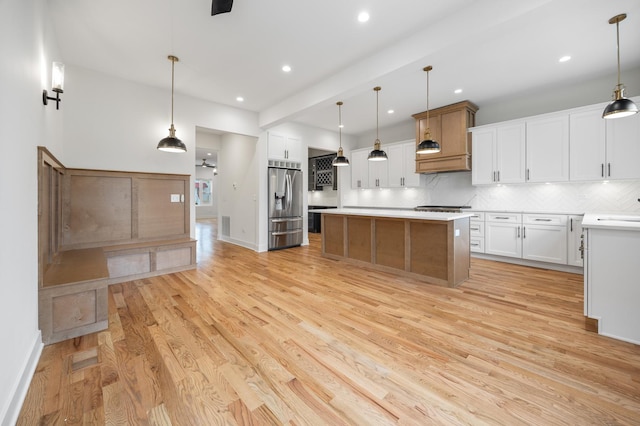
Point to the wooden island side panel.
(435, 251)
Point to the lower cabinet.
(574, 241)
(544, 238)
(538, 237)
(476, 232)
(503, 234)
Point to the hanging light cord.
(173, 63)
(618, 44)
(427, 131)
(377, 89)
(340, 123)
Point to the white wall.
(114, 124)
(28, 48)
(238, 168)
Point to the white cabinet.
(623, 147)
(587, 132)
(544, 238)
(378, 174)
(359, 169)
(574, 240)
(499, 154)
(547, 154)
(402, 165)
(476, 232)
(503, 234)
(283, 148)
(538, 237)
(604, 149)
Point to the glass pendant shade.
(171, 143)
(340, 160)
(377, 154)
(620, 106)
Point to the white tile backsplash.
(456, 189)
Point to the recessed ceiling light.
(565, 58)
(363, 17)
(208, 153)
(240, 99)
(286, 68)
(457, 91)
(341, 126)
(390, 111)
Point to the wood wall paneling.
(157, 215)
(99, 209)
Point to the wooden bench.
(74, 295)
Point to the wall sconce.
(57, 84)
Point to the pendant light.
(340, 160)
(171, 143)
(620, 106)
(377, 154)
(428, 145)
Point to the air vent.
(226, 226)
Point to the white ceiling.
(489, 48)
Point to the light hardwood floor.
(289, 337)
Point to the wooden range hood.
(449, 126)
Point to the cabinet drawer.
(504, 217)
(476, 229)
(476, 245)
(477, 216)
(544, 219)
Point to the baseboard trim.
(534, 264)
(10, 416)
(240, 243)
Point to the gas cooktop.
(448, 209)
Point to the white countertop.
(615, 221)
(399, 214)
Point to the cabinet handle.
(518, 232)
(498, 175)
(501, 218)
(527, 174)
(571, 224)
(524, 232)
(601, 169)
(476, 228)
(542, 220)
(359, 183)
(609, 169)
(475, 244)
(494, 176)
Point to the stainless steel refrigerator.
(285, 208)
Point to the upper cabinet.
(284, 148)
(548, 149)
(359, 169)
(449, 127)
(397, 171)
(402, 160)
(499, 154)
(572, 145)
(604, 149)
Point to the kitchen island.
(611, 284)
(429, 246)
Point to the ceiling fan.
(221, 6)
(205, 164)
